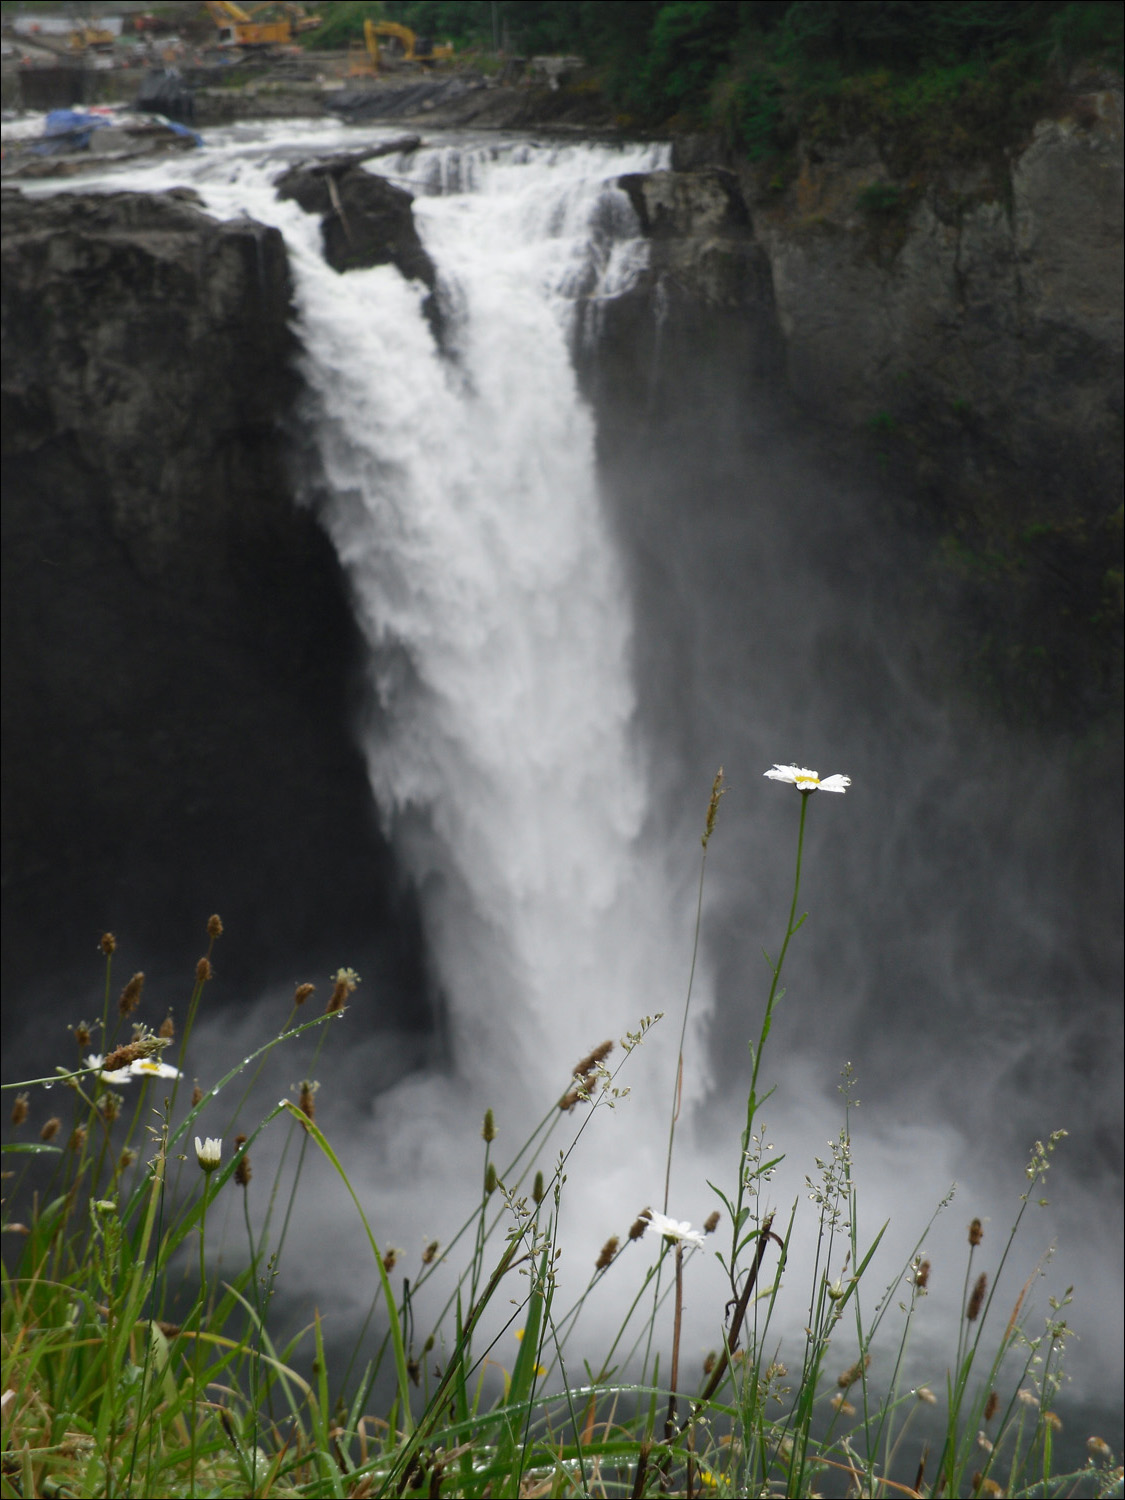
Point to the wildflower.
(808, 781)
(214, 926)
(208, 1153)
(20, 1109)
(671, 1229)
(108, 1075)
(152, 1067)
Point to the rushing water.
(503, 730)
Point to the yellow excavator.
(388, 44)
(238, 28)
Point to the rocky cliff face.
(957, 338)
(177, 642)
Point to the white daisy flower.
(808, 781)
(115, 1075)
(208, 1153)
(152, 1067)
(672, 1229)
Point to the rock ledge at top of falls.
(365, 220)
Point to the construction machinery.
(238, 28)
(388, 44)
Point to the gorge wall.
(178, 647)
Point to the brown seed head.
(168, 1028)
(50, 1128)
(77, 1138)
(107, 943)
(990, 1406)
(538, 1191)
(843, 1405)
(640, 1224)
(976, 1301)
(126, 1159)
(709, 1362)
(130, 996)
(203, 971)
(1098, 1449)
(592, 1059)
(242, 1172)
(110, 1106)
(344, 982)
(429, 1252)
(142, 1045)
(19, 1109)
(307, 1102)
(711, 1222)
(488, 1129)
(302, 993)
(196, 1096)
(390, 1260)
(922, 1275)
(718, 791)
(1052, 1420)
(849, 1376)
(608, 1251)
(82, 1034)
(976, 1232)
(214, 926)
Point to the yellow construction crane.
(388, 42)
(238, 28)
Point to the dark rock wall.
(178, 646)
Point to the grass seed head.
(130, 996)
(429, 1252)
(711, 1222)
(922, 1274)
(107, 943)
(77, 1139)
(307, 1101)
(20, 1109)
(214, 926)
(990, 1406)
(50, 1128)
(592, 1059)
(302, 993)
(488, 1129)
(976, 1301)
(168, 1028)
(718, 792)
(344, 982)
(640, 1224)
(242, 1172)
(538, 1190)
(608, 1251)
(490, 1179)
(976, 1232)
(204, 971)
(82, 1034)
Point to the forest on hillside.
(762, 70)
